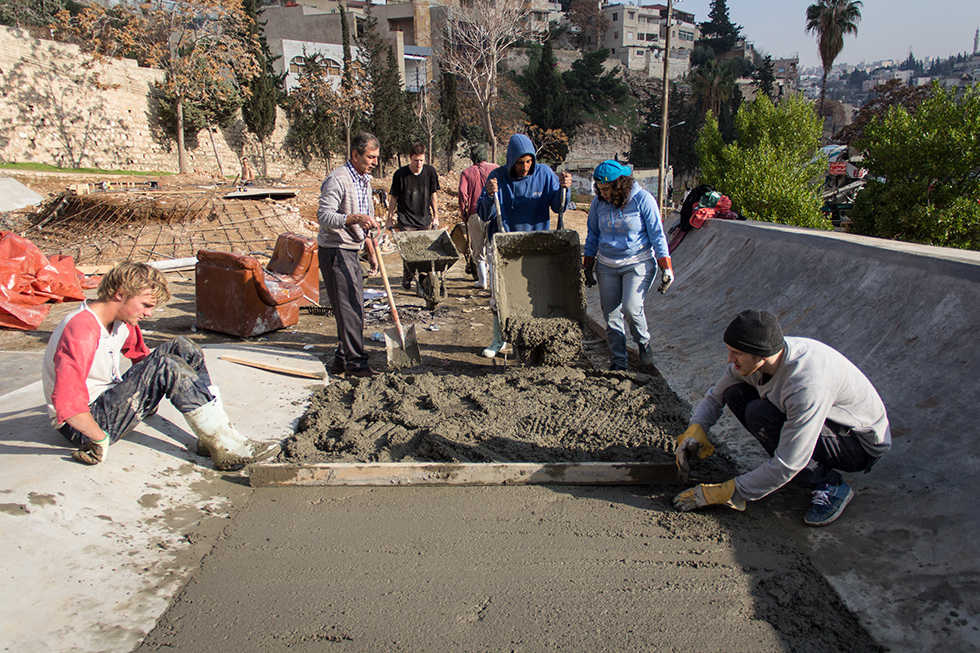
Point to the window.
(629, 36)
(296, 65)
(640, 36)
(632, 15)
(642, 19)
(615, 36)
(639, 53)
(685, 35)
(652, 37)
(615, 17)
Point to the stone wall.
(58, 106)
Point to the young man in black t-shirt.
(412, 202)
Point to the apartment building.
(637, 36)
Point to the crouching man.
(91, 404)
(809, 407)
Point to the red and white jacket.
(82, 361)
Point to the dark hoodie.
(525, 202)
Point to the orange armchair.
(235, 296)
(295, 259)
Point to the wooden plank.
(397, 474)
(278, 369)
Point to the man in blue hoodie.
(527, 191)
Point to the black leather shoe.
(336, 369)
(362, 373)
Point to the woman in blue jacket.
(627, 247)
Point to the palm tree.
(831, 20)
(713, 84)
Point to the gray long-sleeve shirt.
(814, 383)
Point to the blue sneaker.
(828, 503)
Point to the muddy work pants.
(175, 370)
(836, 448)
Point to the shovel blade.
(403, 349)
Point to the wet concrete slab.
(93, 555)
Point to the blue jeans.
(175, 370)
(836, 448)
(621, 292)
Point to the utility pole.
(664, 125)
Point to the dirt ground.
(663, 566)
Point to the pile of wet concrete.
(546, 414)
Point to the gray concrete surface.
(904, 555)
(93, 555)
(15, 195)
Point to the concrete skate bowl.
(904, 554)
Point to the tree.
(450, 116)
(831, 20)
(34, 13)
(769, 171)
(713, 85)
(685, 120)
(719, 33)
(264, 90)
(549, 106)
(764, 78)
(923, 165)
(477, 36)
(194, 42)
(390, 116)
(883, 97)
(594, 89)
(314, 128)
(592, 23)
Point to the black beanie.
(756, 333)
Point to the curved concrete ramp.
(904, 555)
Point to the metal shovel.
(402, 346)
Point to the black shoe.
(362, 373)
(336, 369)
(407, 283)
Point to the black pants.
(175, 370)
(836, 449)
(344, 281)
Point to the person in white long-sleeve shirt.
(813, 411)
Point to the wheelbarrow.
(461, 238)
(430, 253)
(540, 293)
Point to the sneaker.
(646, 355)
(828, 503)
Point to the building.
(292, 29)
(637, 36)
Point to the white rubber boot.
(481, 275)
(498, 340)
(229, 449)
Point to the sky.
(937, 28)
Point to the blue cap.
(610, 170)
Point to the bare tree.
(476, 38)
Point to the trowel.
(402, 346)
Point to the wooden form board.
(396, 474)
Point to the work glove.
(588, 263)
(666, 278)
(92, 452)
(692, 442)
(703, 495)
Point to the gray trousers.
(836, 448)
(344, 281)
(175, 370)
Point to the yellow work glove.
(692, 442)
(703, 495)
(93, 452)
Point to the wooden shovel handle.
(376, 251)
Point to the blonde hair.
(132, 278)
